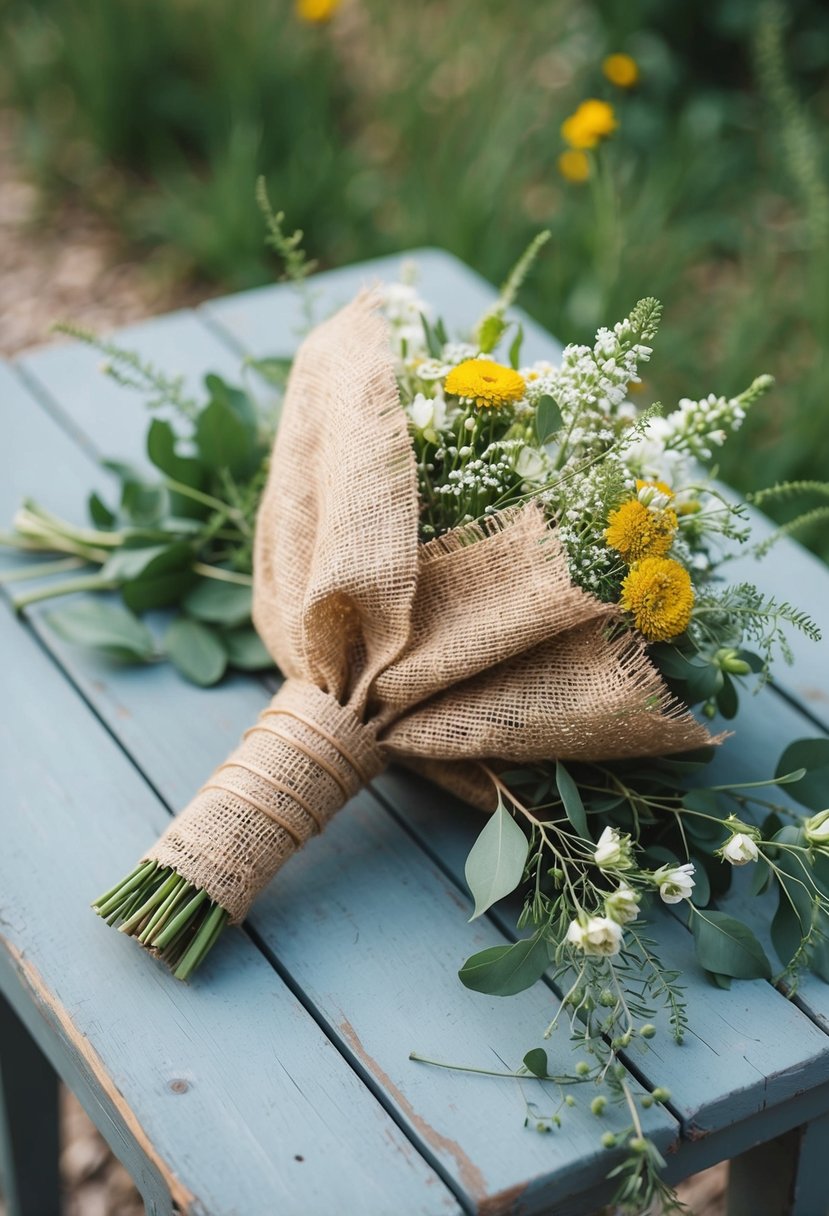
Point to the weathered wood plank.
(176, 733)
(183, 1071)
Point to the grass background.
(394, 125)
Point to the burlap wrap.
(476, 646)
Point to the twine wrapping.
(475, 646)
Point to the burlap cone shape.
(476, 646)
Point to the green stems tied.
(165, 913)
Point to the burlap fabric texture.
(476, 646)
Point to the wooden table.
(279, 1080)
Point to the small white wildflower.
(817, 828)
(675, 883)
(622, 905)
(612, 851)
(596, 935)
(740, 849)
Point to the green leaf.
(142, 502)
(495, 865)
(224, 441)
(162, 581)
(274, 369)
(728, 701)
(786, 934)
(220, 602)
(536, 1062)
(104, 626)
(819, 953)
(129, 562)
(161, 449)
(548, 420)
(812, 790)
(196, 651)
(234, 399)
(701, 894)
(728, 947)
(515, 347)
(432, 343)
(100, 513)
(246, 650)
(719, 981)
(490, 332)
(571, 798)
(506, 970)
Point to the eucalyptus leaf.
(571, 798)
(812, 790)
(162, 581)
(536, 1062)
(196, 651)
(506, 970)
(246, 650)
(103, 625)
(495, 865)
(219, 602)
(726, 946)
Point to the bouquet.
(510, 578)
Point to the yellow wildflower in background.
(315, 12)
(574, 165)
(658, 592)
(593, 121)
(487, 383)
(636, 531)
(621, 70)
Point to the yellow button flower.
(316, 12)
(574, 165)
(636, 531)
(487, 383)
(593, 121)
(658, 592)
(621, 70)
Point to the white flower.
(597, 935)
(817, 828)
(622, 905)
(675, 883)
(612, 851)
(740, 849)
(530, 464)
(428, 414)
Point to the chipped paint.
(184, 1200)
(468, 1172)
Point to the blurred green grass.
(397, 125)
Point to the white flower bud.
(597, 935)
(675, 883)
(817, 828)
(740, 849)
(622, 905)
(612, 851)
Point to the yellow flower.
(574, 165)
(591, 122)
(636, 531)
(315, 12)
(487, 383)
(658, 592)
(621, 70)
(657, 485)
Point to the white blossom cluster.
(403, 308)
(580, 505)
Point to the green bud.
(608, 1140)
(607, 998)
(597, 1106)
(709, 709)
(660, 1094)
(569, 1100)
(638, 1143)
(541, 1127)
(648, 1030)
(582, 1068)
(646, 1101)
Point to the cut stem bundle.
(166, 913)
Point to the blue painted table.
(279, 1080)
